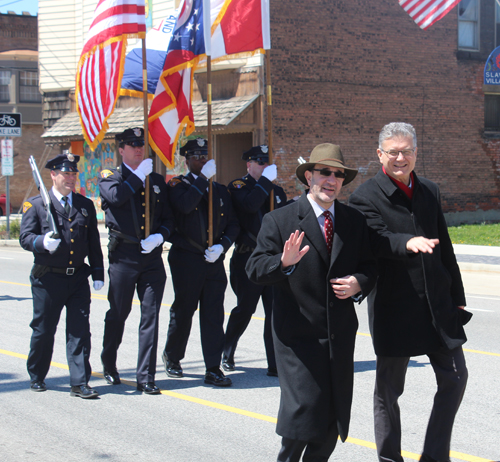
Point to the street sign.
(10, 124)
(7, 157)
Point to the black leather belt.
(66, 271)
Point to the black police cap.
(258, 153)
(130, 135)
(65, 162)
(194, 146)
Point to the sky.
(18, 6)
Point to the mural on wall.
(90, 166)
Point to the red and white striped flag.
(100, 69)
(426, 12)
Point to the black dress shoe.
(228, 365)
(217, 378)
(172, 368)
(38, 385)
(149, 388)
(111, 376)
(272, 372)
(83, 391)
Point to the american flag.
(171, 109)
(426, 12)
(237, 27)
(100, 68)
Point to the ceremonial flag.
(238, 27)
(157, 40)
(101, 63)
(426, 12)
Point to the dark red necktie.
(328, 230)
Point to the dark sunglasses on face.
(198, 156)
(328, 172)
(135, 144)
(260, 161)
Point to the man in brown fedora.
(317, 255)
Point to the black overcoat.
(413, 309)
(314, 331)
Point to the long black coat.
(413, 309)
(314, 331)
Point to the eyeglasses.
(394, 154)
(259, 161)
(135, 144)
(198, 156)
(328, 172)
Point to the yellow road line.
(253, 415)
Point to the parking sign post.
(7, 172)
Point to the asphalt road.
(191, 422)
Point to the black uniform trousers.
(451, 377)
(130, 269)
(291, 450)
(195, 280)
(51, 293)
(248, 295)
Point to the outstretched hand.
(291, 251)
(421, 244)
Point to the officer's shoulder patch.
(238, 184)
(106, 172)
(174, 182)
(27, 205)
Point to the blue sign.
(492, 68)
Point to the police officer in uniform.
(251, 200)
(198, 272)
(60, 275)
(135, 261)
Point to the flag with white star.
(239, 27)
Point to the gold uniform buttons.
(142, 193)
(71, 252)
(143, 215)
(70, 262)
(71, 229)
(69, 219)
(142, 227)
(72, 240)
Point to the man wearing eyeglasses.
(251, 201)
(135, 260)
(198, 272)
(417, 307)
(315, 253)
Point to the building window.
(492, 113)
(4, 86)
(28, 87)
(468, 24)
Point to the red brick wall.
(341, 70)
(18, 32)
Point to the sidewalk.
(479, 265)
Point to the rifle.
(45, 197)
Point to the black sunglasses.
(135, 144)
(197, 156)
(328, 172)
(260, 161)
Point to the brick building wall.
(343, 69)
(18, 32)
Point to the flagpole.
(207, 37)
(269, 120)
(210, 154)
(146, 131)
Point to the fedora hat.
(326, 154)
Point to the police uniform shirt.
(189, 200)
(78, 233)
(251, 202)
(122, 193)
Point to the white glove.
(151, 242)
(50, 244)
(270, 172)
(209, 169)
(213, 253)
(98, 285)
(144, 169)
